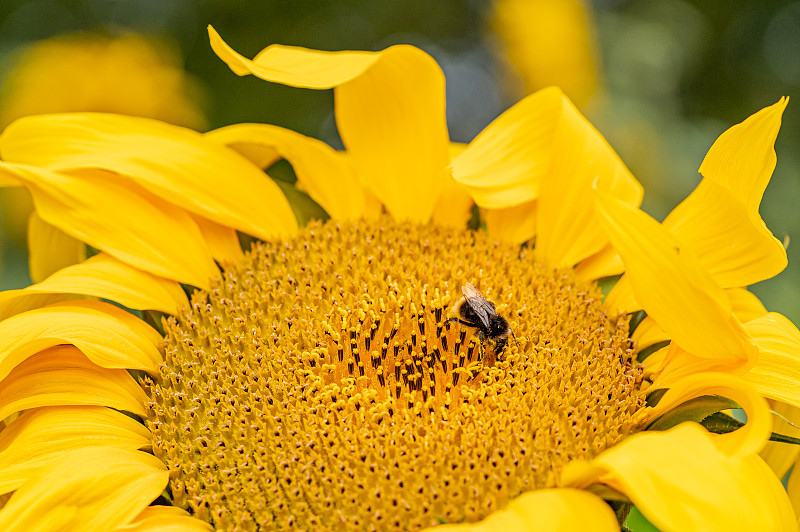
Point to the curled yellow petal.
(777, 369)
(108, 335)
(750, 438)
(672, 286)
(680, 480)
(63, 375)
(100, 276)
(91, 490)
(297, 67)
(174, 163)
(326, 176)
(549, 510)
(113, 214)
(50, 249)
(388, 105)
(40, 438)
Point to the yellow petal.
(454, 206)
(743, 157)
(327, 177)
(113, 214)
(63, 375)
(100, 276)
(50, 248)
(175, 163)
(296, 67)
(505, 164)
(780, 457)
(604, 263)
(390, 111)
(222, 241)
(621, 298)
(654, 363)
(40, 438)
(527, 153)
(567, 230)
(679, 480)
(108, 335)
(14, 302)
(746, 305)
(730, 241)
(719, 221)
(515, 224)
(675, 364)
(750, 438)
(165, 519)
(776, 373)
(90, 490)
(672, 286)
(548, 510)
(648, 333)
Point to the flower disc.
(320, 385)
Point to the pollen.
(320, 384)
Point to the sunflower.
(386, 368)
(549, 42)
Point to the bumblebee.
(474, 310)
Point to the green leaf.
(636, 522)
(697, 409)
(720, 423)
(621, 509)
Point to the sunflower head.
(323, 381)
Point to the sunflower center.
(323, 384)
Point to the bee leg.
(462, 322)
(500, 345)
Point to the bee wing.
(483, 309)
(470, 291)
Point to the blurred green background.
(672, 75)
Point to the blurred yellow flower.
(343, 375)
(129, 75)
(550, 42)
